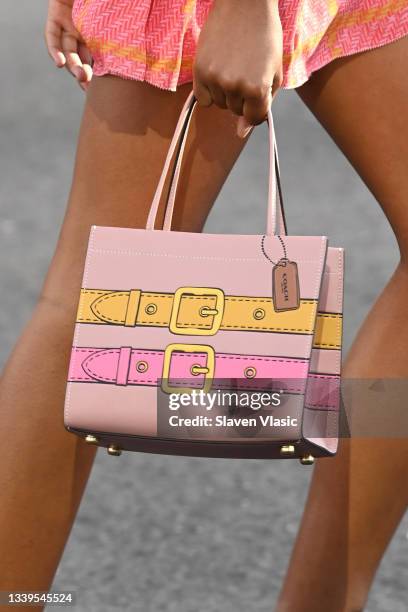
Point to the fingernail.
(243, 127)
(59, 59)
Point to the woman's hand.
(238, 63)
(64, 43)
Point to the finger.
(218, 95)
(84, 85)
(52, 36)
(77, 72)
(87, 64)
(256, 108)
(84, 54)
(88, 74)
(74, 63)
(201, 93)
(235, 103)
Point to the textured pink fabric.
(155, 40)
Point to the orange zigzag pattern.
(155, 40)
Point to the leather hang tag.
(285, 285)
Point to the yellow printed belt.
(204, 311)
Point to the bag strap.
(276, 223)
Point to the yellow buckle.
(195, 369)
(205, 311)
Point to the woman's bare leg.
(357, 499)
(124, 137)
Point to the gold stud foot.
(90, 439)
(287, 450)
(114, 451)
(307, 460)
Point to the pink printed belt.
(181, 367)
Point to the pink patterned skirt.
(155, 40)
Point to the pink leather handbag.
(167, 316)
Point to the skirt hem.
(102, 69)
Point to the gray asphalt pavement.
(177, 534)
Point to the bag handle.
(275, 215)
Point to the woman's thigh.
(125, 133)
(362, 100)
(124, 136)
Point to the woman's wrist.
(238, 62)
